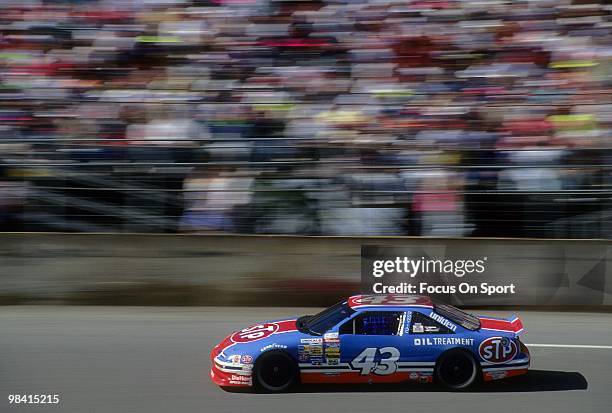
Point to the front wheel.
(275, 372)
(457, 370)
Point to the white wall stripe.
(569, 346)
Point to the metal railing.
(149, 196)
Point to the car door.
(426, 337)
(371, 342)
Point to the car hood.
(260, 337)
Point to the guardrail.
(155, 196)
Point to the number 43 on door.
(364, 361)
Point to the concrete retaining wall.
(269, 270)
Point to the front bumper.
(228, 374)
(224, 377)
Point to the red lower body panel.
(229, 379)
(503, 374)
(356, 377)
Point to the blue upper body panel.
(404, 334)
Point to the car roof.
(389, 300)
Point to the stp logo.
(255, 332)
(497, 350)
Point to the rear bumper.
(516, 367)
(502, 374)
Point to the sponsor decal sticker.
(333, 352)
(422, 377)
(443, 341)
(443, 321)
(272, 346)
(497, 350)
(407, 321)
(254, 332)
(330, 336)
(246, 359)
(496, 375)
(303, 352)
(240, 378)
(316, 351)
(311, 340)
(236, 379)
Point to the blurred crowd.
(338, 117)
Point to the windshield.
(326, 319)
(454, 314)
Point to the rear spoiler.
(513, 324)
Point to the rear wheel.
(275, 372)
(457, 370)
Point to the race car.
(373, 339)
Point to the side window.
(421, 324)
(374, 323)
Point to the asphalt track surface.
(144, 359)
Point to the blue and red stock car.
(370, 339)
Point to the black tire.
(275, 372)
(457, 370)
